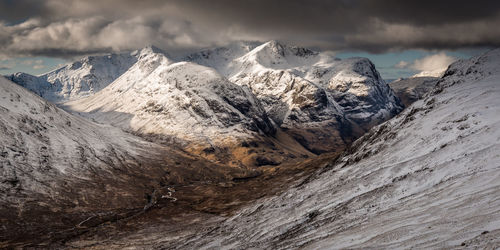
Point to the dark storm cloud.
(14, 11)
(67, 28)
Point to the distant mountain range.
(226, 96)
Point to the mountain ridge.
(320, 101)
(301, 88)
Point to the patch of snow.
(433, 73)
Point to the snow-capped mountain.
(429, 178)
(409, 90)
(300, 89)
(78, 79)
(181, 102)
(223, 93)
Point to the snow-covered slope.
(53, 164)
(429, 178)
(37, 134)
(179, 101)
(78, 79)
(409, 90)
(301, 89)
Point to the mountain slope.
(353, 83)
(78, 79)
(46, 152)
(222, 57)
(425, 179)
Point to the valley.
(247, 146)
(427, 178)
(141, 160)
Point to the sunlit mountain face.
(249, 124)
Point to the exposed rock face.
(412, 89)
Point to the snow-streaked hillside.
(78, 79)
(46, 155)
(429, 178)
(36, 134)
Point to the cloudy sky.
(401, 37)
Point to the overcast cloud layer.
(68, 28)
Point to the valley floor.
(189, 208)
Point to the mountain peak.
(283, 49)
(150, 49)
(275, 47)
(275, 43)
(476, 68)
